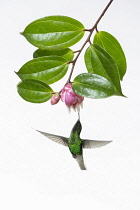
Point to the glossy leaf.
(34, 91)
(54, 32)
(99, 62)
(113, 47)
(47, 69)
(65, 53)
(93, 86)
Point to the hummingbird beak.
(79, 116)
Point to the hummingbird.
(75, 143)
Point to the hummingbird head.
(77, 127)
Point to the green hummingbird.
(75, 143)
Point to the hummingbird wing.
(59, 139)
(89, 144)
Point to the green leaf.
(99, 62)
(93, 86)
(54, 32)
(48, 69)
(65, 53)
(34, 91)
(113, 47)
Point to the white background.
(36, 173)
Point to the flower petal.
(70, 99)
(63, 96)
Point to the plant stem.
(87, 40)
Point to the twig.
(87, 40)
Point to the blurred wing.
(89, 144)
(59, 139)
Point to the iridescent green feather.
(74, 142)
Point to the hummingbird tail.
(80, 161)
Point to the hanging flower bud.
(55, 99)
(70, 98)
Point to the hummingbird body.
(75, 143)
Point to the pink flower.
(55, 99)
(70, 98)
